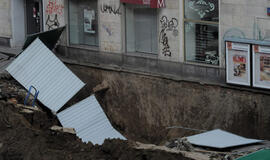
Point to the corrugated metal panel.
(89, 121)
(39, 67)
(220, 139)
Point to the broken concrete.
(35, 108)
(64, 130)
(193, 155)
(181, 144)
(27, 111)
(101, 87)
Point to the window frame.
(200, 22)
(137, 53)
(68, 39)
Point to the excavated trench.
(142, 107)
(25, 134)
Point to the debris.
(41, 68)
(192, 155)
(28, 111)
(89, 120)
(49, 38)
(101, 87)
(181, 144)
(220, 139)
(65, 130)
(13, 101)
(220, 156)
(35, 108)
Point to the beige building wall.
(110, 26)
(5, 21)
(170, 32)
(243, 19)
(53, 14)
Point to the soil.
(26, 136)
(144, 107)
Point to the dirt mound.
(25, 135)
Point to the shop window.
(201, 31)
(83, 22)
(141, 29)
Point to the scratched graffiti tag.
(110, 9)
(167, 26)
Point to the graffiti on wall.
(107, 29)
(54, 13)
(110, 9)
(166, 27)
(52, 22)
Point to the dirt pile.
(25, 134)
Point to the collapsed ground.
(25, 134)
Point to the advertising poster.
(238, 63)
(89, 17)
(261, 66)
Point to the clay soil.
(26, 136)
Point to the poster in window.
(261, 66)
(238, 63)
(89, 17)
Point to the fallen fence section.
(220, 139)
(89, 121)
(37, 66)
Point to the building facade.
(20, 18)
(183, 38)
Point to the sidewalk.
(10, 51)
(6, 57)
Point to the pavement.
(7, 55)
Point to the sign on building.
(238, 63)
(261, 66)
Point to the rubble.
(43, 138)
(61, 129)
(101, 87)
(31, 136)
(28, 111)
(180, 144)
(35, 108)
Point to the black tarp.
(49, 38)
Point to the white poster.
(261, 66)
(89, 17)
(238, 63)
